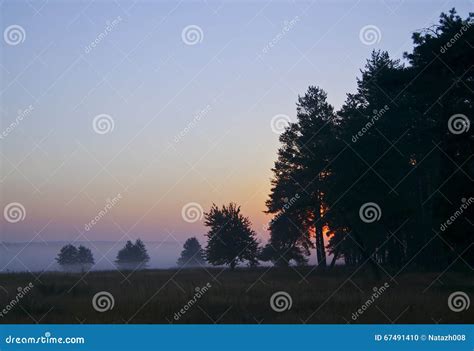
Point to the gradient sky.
(152, 84)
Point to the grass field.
(241, 296)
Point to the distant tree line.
(131, 256)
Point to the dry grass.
(154, 296)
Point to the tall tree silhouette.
(303, 167)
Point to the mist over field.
(40, 256)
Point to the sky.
(172, 108)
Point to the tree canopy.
(230, 237)
(192, 254)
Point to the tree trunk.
(318, 230)
(334, 258)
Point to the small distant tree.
(67, 255)
(72, 258)
(84, 256)
(192, 254)
(230, 238)
(133, 255)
